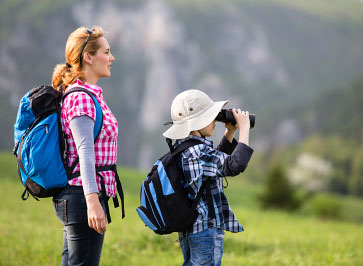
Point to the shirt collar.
(97, 90)
(203, 140)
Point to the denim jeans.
(82, 245)
(203, 248)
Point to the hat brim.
(182, 130)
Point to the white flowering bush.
(311, 172)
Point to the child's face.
(208, 130)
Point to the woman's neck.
(90, 77)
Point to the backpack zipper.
(46, 129)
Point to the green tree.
(278, 192)
(356, 180)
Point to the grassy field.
(30, 233)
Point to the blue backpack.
(164, 204)
(40, 146)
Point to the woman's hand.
(95, 213)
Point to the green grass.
(30, 233)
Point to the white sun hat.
(191, 110)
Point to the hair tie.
(68, 65)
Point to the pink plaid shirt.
(80, 103)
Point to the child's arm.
(228, 143)
(237, 162)
(230, 130)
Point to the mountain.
(269, 57)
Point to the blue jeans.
(82, 245)
(203, 248)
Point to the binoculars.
(226, 116)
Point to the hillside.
(340, 111)
(269, 57)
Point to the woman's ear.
(87, 58)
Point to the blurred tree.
(324, 206)
(356, 180)
(278, 193)
(339, 152)
(334, 130)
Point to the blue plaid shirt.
(201, 161)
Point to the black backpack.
(165, 207)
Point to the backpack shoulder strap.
(99, 114)
(97, 127)
(206, 184)
(183, 146)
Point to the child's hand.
(230, 127)
(230, 130)
(242, 119)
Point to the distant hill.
(340, 111)
(270, 57)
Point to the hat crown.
(189, 104)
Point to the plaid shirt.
(78, 104)
(201, 161)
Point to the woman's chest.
(110, 125)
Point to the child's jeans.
(82, 245)
(203, 248)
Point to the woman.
(82, 204)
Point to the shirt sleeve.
(204, 161)
(200, 162)
(222, 164)
(226, 146)
(80, 104)
(82, 132)
(237, 162)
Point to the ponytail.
(65, 75)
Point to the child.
(193, 114)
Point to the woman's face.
(102, 60)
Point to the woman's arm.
(82, 132)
